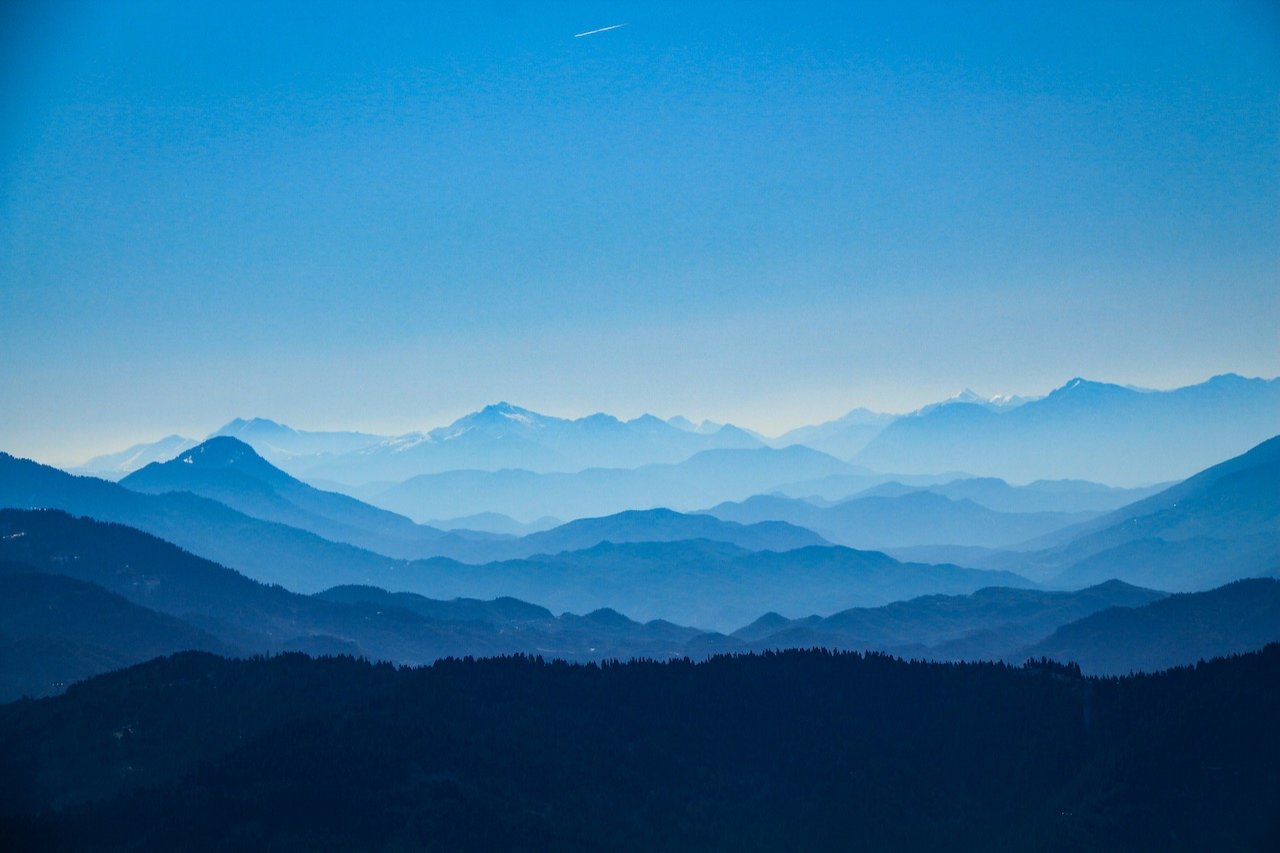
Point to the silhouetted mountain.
(55, 630)
(843, 437)
(506, 436)
(710, 585)
(496, 437)
(793, 751)
(285, 445)
(969, 397)
(702, 480)
(908, 519)
(497, 612)
(113, 466)
(601, 634)
(73, 611)
(1040, 496)
(1220, 525)
(834, 488)
(659, 525)
(266, 551)
(495, 522)
(158, 575)
(990, 624)
(229, 471)
(1087, 430)
(694, 582)
(707, 427)
(275, 442)
(1178, 630)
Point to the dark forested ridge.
(1189, 626)
(797, 750)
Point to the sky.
(382, 216)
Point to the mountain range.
(1174, 631)
(229, 471)
(1062, 496)
(1086, 430)
(706, 583)
(82, 597)
(711, 585)
(495, 437)
(1112, 628)
(705, 479)
(1083, 430)
(915, 517)
(990, 624)
(1217, 526)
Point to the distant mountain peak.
(1235, 380)
(680, 422)
(1077, 385)
(502, 407)
(969, 397)
(500, 412)
(115, 465)
(237, 425)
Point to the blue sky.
(381, 216)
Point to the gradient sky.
(381, 216)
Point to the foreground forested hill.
(796, 750)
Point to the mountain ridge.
(1086, 429)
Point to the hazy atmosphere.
(639, 426)
(382, 218)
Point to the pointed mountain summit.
(499, 418)
(219, 454)
(229, 471)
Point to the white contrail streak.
(601, 30)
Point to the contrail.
(601, 30)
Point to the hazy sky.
(381, 216)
